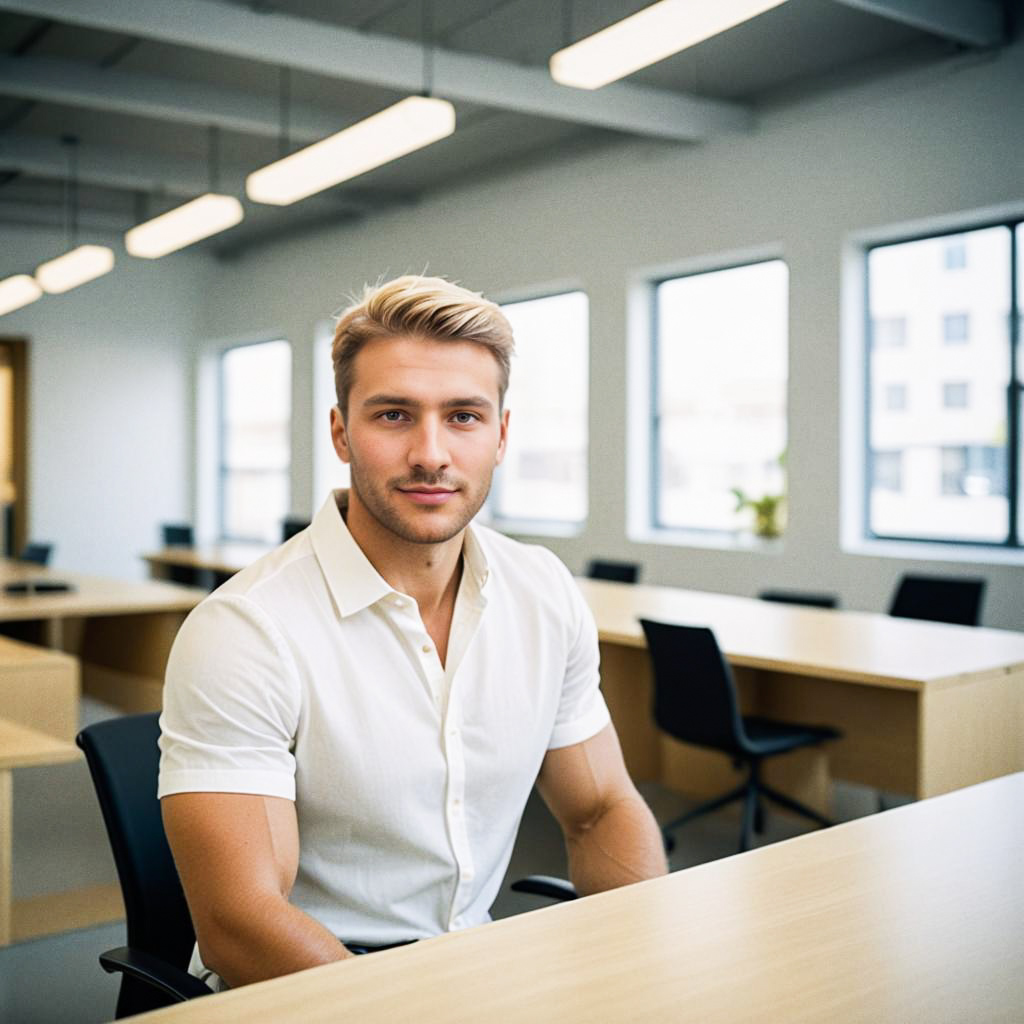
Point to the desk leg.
(6, 848)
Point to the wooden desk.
(915, 915)
(120, 630)
(220, 558)
(925, 707)
(39, 689)
(19, 747)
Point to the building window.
(956, 449)
(954, 256)
(720, 366)
(255, 440)
(544, 475)
(896, 397)
(954, 395)
(889, 332)
(954, 328)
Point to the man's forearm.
(265, 939)
(621, 846)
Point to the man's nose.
(428, 449)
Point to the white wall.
(110, 408)
(909, 148)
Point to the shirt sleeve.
(231, 704)
(582, 712)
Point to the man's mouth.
(428, 495)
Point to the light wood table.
(20, 747)
(924, 707)
(219, 558)
(39, 689)
(120, 630)
(915, 916)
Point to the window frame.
(653, 524)
(1014, 389)
(222, 468)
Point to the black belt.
(359, 948)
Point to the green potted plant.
(769, 509)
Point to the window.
(896, 397)
(954, 395)
(544, 475)
(954, 257)
(954, 328)
(889, 332)
(329, 471)
(255, 424)
(719, 402)
(887, 471)
(957, 447)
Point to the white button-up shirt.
(308, 677)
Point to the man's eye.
(465, 418)
(392, 416)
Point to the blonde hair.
(426, 307)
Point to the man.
(353, 724)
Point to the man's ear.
(502, 438)
(339, 434)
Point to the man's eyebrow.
(471, 402)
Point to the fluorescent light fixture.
(18, 291)
(183, 225)
(410, 124)
(648, 36)
(75, 268)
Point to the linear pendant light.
(648, 36)
(18, 291)
(74, 268)
(410, 124)
(183, 225)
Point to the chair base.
(753, 792)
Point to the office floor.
(60, 843)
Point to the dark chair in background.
(939, 599)
(180, 535)
(290, 527)
(36, 553)
(695, 701)
(123, 760)
(800, 597)
(177, 535)
(619, 572)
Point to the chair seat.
(767, 737)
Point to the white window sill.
(723, 541)
(930, 552)
(535, 528)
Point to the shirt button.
(398, 602)
(427, 648)
(453, 733)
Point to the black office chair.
(619, 572)
(939, 599)
(177, 535)
(695, 701)
(36, 553)
(123, 760)
(800, 597)
(290, 527)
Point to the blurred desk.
(925, 707)
(120, 630)
(219, 558)
(915, 915)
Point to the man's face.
(423, 434)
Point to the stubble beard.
(428, 527)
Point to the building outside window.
(896, 397)
(719, 405)
(963, 434)
(887, 471)
(889, 332)
(543, 478)
(255, 440)
(954, 256)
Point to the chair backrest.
(694, 691)
(177, 535)
(619, 572)
(800, 597)
(290, 527)
(939, 598)
(37, 553)
(124, 760)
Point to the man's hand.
(237, 856)
(611, 836)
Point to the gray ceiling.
(138, 82)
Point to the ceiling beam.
(970, 22)
(389, 62)
(128, 92)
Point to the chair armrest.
(178, 984)
(545, 885)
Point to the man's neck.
(428, 573)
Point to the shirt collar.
(353, 582)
